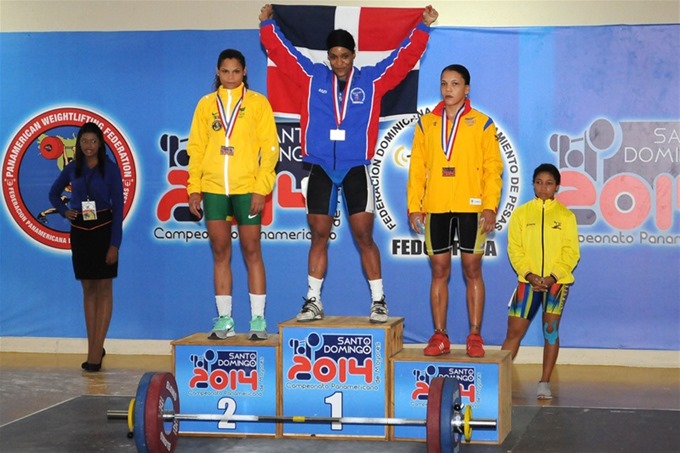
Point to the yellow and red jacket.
(543, 240)
(249, 168)
(476, 160)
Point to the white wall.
(116, 15)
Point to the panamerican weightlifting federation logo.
(41, 148)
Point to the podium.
(341, 366)
(231, 376)
(485, 385)
(338, 367)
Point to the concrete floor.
(30, 383)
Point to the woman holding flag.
(339, 113)
(233, 149)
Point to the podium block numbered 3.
(485, 385)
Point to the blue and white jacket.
(367, 88)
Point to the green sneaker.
(258, 328)
(223, 328)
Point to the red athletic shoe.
(439, 344)
(475, 345)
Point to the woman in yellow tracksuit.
(543, 249)
(454, 187)
(233, 149)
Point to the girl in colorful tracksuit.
(233, 149)
(544, 250)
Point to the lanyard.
(91, 171)
(229, 125)
(447, 142)
(341, 111)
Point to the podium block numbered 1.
(486, 385)
(338, 367)
(233, 376)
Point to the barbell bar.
(169, 416)
(157, 403)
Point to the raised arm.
(279, 49)
(267, 12)
(393, 69)
(429, 15)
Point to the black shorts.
(323, 186)
(90, 241)
(442, 228)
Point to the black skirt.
(90, 241)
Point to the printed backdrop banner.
(601, 103)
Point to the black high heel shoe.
(92, 367)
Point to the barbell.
(153, 416)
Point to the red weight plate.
(434, 400)
(51, 148)
(161, 396)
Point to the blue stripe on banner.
(306, 26)
(401, 100)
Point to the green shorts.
(226, 207)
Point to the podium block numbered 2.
(232, 376)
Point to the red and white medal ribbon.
(229, 125)
(341, 111)
(447, 142)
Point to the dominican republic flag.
(376, 31)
